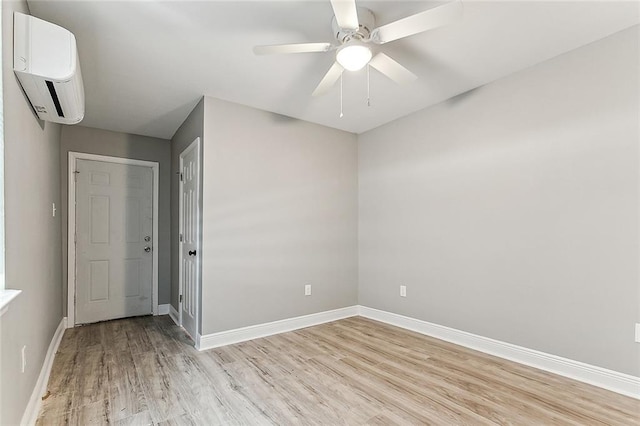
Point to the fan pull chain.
(368, 86)
(341, 114)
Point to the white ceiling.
(146, 64)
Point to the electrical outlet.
(637, 333)
(24, 358)
(403, 291)
(307, 290)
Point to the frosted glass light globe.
(353, 57)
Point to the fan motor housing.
(366, 21)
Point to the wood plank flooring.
(142, 371)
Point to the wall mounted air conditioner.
(45, 59)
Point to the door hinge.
(75, 175)
(181, 177)
(181, 238)
(180, 298)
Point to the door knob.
(147, 249)
(192, 252)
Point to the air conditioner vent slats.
(54, 97)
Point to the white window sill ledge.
(6, 297)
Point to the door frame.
(71, 225)
(193, 145)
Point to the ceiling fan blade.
(329, 79)
(292, 48)
(414, 24)
(392, 69)
(346, 14)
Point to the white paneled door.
(114, 241)
(189, 237)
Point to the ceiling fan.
(356, 34)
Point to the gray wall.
(104, 142)
(191, 128)
(32, 183)
(512, 212)
(280, 211)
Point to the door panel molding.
(71, 225)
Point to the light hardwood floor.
(351, 372)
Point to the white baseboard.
(33, 407)
(163, 309)
(612, 380)
(175, 316)
(243, 334)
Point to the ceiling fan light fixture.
(354, 56)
